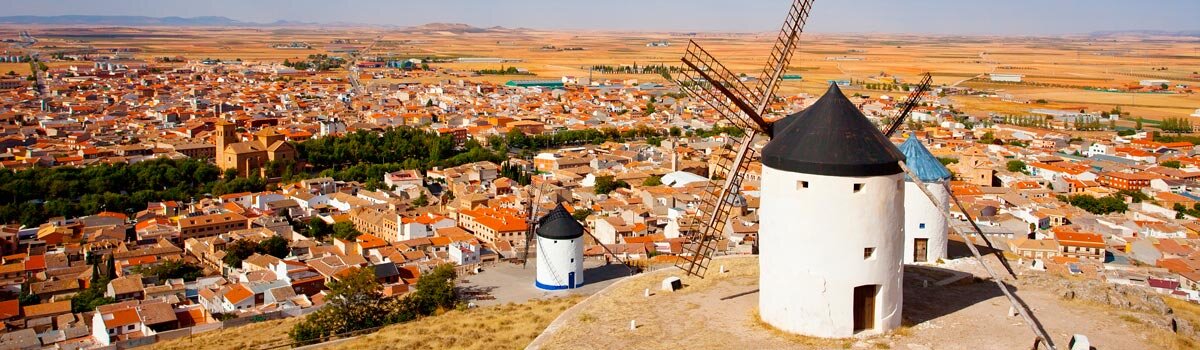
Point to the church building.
(249, 157)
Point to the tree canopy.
(1016, 166)
(172, 269)
(607, 184)
(1099, 206)
(31, 196)
(241, 249)
(356, 302)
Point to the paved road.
(507, 282)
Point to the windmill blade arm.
(707, 79)
(715, 209)
(1022, 309)
(781, 54)
(609, 251)
(913, 100)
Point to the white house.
(403, 178)
(262, 199)
(423, 226)
(239, 297)
(1009, 78)
(464, 252)
(1154, 82)
(107, 326)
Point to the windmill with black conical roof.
(559, 250)
(832, 208)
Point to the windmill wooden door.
(864, 307)
(921, 250)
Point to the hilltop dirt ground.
(1064, 61)
(970, 314)
(507, 326)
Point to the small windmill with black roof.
(559, 250)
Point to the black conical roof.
(832, 137)
(559, 224)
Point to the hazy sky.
(913, 16)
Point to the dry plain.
(1056, 69)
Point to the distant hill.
(218, 21)
(457, 28)
(1183, 33)
(122, 20)
(138, 21)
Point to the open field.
(19, 68)
(1063, 61)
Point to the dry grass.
(1185, 310)
(1161, 338)
(510, 326)
(245, 337)
(497, 327)
(19, 68)
(823, 343)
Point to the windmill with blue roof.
(925, 227)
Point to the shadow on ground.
(605, 272)
(923, 303)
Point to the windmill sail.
(705, 78)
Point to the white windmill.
(831, 235)
(560, 251)
(925, 228)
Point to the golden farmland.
(1066, 64)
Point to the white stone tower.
(559, 251)
(925, 228)
(831, 231)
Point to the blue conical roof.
(927, 167)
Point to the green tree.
(172, 269)
(435, 290)
(1099, 206)
(26, 298)
(275, 246)
(421, 200)
(652, 181)
(90, 298)
(110, 270)
(987, 138)
(581, 214)
(345, 230)
(607, 184)
(237, 251)
(1016, 166)
(354, 302)
(318, 228)
(1172, 164)
(1138, 125)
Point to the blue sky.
(888, 16)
